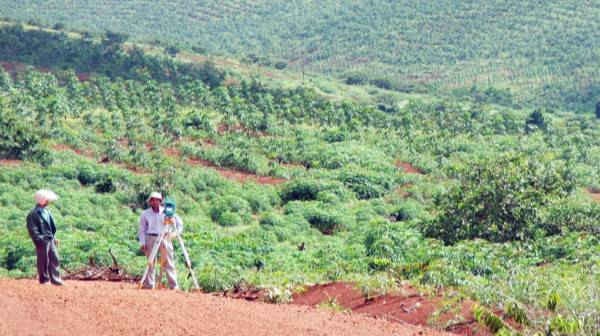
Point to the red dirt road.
(106, 308)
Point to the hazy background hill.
(536, 53)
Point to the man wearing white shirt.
(152, 224)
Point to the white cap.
(45, 195)
(156, 195)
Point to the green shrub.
(260, 198)
(280, 65)
(571, 215)
(324, 221)
(309, 190)
(18, 139)
(406, 211)
(367, 184)
(271, 219)
(514, 311)
(87, 175)
(322, 217)
(395, 242)
(229, 218)
(105, 185)
(379, 264)
(500, 200)
(230, 210)
(552, 301)
(489, 319)
(563, 326)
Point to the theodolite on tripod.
(167, 230)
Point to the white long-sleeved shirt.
(152, 222)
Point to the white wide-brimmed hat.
(156, 195)
(45, 195)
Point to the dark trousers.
(47, 261)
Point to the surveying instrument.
(169, 226)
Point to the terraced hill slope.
(543, 53)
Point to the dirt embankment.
(594, 194)
(408, 168)
(408, 305)
(108, 308)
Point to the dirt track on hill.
(106, 308)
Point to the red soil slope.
(406, 306)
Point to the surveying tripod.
(168, 227)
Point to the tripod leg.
(188, 263)
(152, 258)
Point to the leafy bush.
(87, 175)
(488, 318)
(324, 221)
(271, 219)
(356, 79)
(394, 242)
(229, 218)
(322, 217)
(571, 214)
(536, 121)
(18, 140)
(406, 211)
(309, 190)
(500, 200)
(367, 184)
(230, 210)
(105, 185)
(280, 65)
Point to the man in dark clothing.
(42, 229)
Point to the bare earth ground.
(111, 308)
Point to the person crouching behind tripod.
(152, 223)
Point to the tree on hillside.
(501, 200)
(535, 121)
(598, 110)
(113, 38)
(18, 140)
(172, 51)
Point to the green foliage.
(535, 121)
(394, 242)
(549, 60)
(230, 211)
(47, 49)
(325, 218)
(116, 136)
(553, 301)
(87, 175)
(106, 185)
(517, 313)
(18, 140)
(271, 219)
(563, 326)
(406, 211)
(365, 184)
(311, 189)
(500, 200)
(489, 319)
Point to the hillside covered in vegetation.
(525, 52)
(283, 187)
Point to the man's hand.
(56, 242)
(172, 235)
(143, 248)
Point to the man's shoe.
(58, 283)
